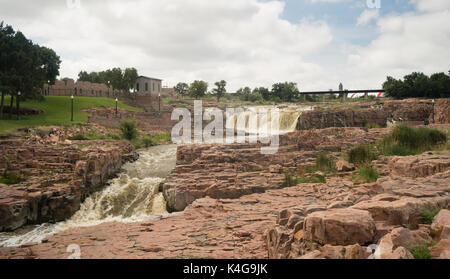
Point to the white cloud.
(407, 42)
(245, 42)
(367, 16)
(242, 41)
(432, 5)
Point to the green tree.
(129, 78)
(416, 85)
(182, 88)
(220, 91)
(84, 76)
(440, 85)
(286, 91)
(24, 66)
(244, 93)
(264, 92)
(198, 89)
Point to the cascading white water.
(133, 196)
(250, 121)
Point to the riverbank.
(338, 218)
(45, 179)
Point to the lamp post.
(71, 107)
(433, 109)
(18, 105)
(116, 106)
(159, 101)
(48, 82)
(109, 84)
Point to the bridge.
(343, 92)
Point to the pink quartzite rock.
(340, 227)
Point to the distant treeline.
(116, 77)
(280, 92)
(418, 85)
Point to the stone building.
(79, 88)
(146, 85)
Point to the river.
(134, 195)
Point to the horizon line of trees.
(24, 67)
(116, 77)
(418, 85)
(283, 91)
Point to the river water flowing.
(134, 195)
(131, 197)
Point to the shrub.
(148, 141)
(373, 126)
(136, 143)
(78, 136)
(404, 141)
(289, 181)
(324, 162)
(316, 178)
(421, 252)
(11, 179)
(128, 128)
(366, 174)
(429, 214)
(361, 155)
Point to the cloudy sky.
(315, 43)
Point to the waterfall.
(132, 197)
(250, 120)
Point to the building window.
(137, 86)
(146, 86)
(153, 86)
(159, 87)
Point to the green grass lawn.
(57, 111)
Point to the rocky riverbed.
(235, 207)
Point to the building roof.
(149, 78)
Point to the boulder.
(344, 166)
(441, 224)
(344, 252)
(278, 242)
(405, 211)
(340, 227)
(400, 237)
(401, 253)
(441, 250)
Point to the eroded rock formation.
(57, 177)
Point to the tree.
(116, 77)
(220, 91)
(24, 66)
(198, 89)
(286, 91)
(244, 93)
(264, 92)
(440, 85)
(130, 76)
(84, 76)
(418, 85)
(182, 88)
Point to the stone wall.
(320, 119)
(57, 178)
(79, 88)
